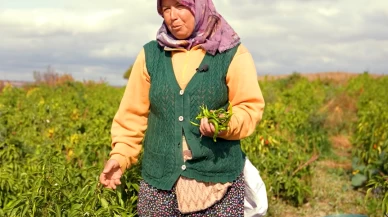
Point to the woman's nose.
(173, 13)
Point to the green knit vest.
(171, 111)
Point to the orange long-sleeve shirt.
(130, 121)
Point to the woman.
(197, 59)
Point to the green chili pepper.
(219, 118)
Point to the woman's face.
(178, 18)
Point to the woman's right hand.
(208, 129)
(110, 176)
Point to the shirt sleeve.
(245, 96)
(130, 121)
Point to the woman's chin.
(180, 35)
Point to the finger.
(111, 164)
(106, 184)
(117, 182)
(201, 127)
(103, 179)
(200, 130)
(112, 184)
(108, 167)
(212, 128)
(207, 128)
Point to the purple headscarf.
(211, 31)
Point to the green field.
(321, 148)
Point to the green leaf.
(104, 203)
(358, 180)
(76, 206)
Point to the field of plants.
(321, 148)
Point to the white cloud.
(329, 12)
(100, 39)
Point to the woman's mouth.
(176, 27)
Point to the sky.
(100, 39)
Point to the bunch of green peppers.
(218, 118)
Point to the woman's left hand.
(207, 129)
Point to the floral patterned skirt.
(158, 203)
